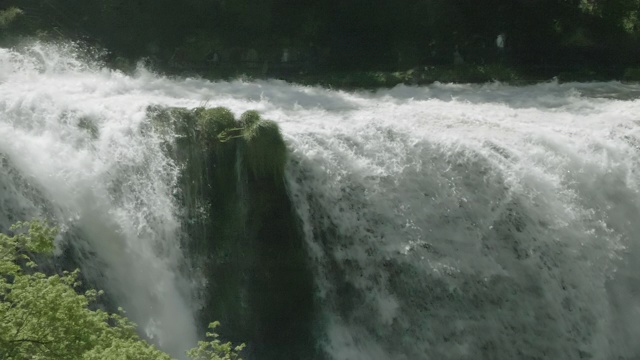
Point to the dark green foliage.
(632, 74)
(372, 80)
(249, 37)
(43, 317)
(214, 349)
(8, 16)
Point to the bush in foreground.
(43, 317)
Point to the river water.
(441, 222)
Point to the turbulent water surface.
(441, 222)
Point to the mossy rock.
(203, 122)
(249, 119)
(265, 152)
(263, 149)
(166, 121)
(212, 122)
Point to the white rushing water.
(71, 140)
(442, 222)
(473, 222)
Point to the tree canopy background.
(349, 34)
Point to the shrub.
(43, 317)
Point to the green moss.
(212, 136)
(243, 128)
(249, 119)
(9, 15)
(167, 121)
(264, 149)
(212, 122)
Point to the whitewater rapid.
(442, 222)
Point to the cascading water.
(443, 222)
(72, 135)
(484, 226)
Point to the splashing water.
(72, 136)
(442, 222)
(475, 222)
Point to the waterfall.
(440, 222)
(71, 136)
(475, 222)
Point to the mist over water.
(442, 222)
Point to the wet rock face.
(242, 231)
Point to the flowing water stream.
(441, 222)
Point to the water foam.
(470, 221)
(73, 134)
